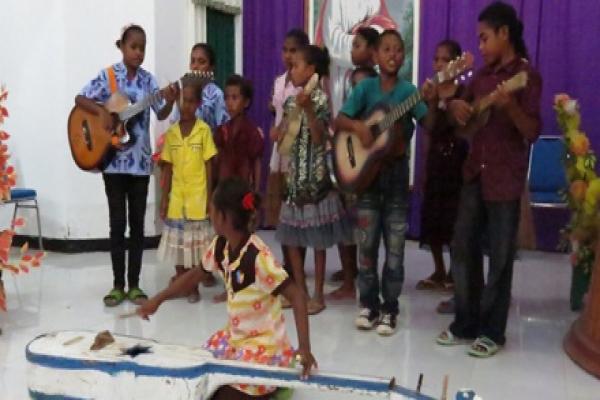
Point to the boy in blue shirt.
(383, 206)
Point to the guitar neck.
(400, 110)
(485, 103)
(140, 106)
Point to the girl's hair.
(127, 30)
(208, 50)
(234, 197)
(453, 47)
(299, 36)
(367, 70)
(500, 14)
(246, 89)
(369, 34)
(389, 32)
(317, 56)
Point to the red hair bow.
(248, 201)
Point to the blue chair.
(547, 177)
(26, 198)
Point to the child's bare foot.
(210, 281)
(285, 303)
(344, 292)
(434, 282)
(220, 298)
(337, 276)
(194, 296)
(315, 306)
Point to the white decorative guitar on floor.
(62, 366)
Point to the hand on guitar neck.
(472, 117)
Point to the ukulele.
(92, 146)
(353, 166)
(294, 120)
(481, 107)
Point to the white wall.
(48, 55)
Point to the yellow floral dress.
(255, 331)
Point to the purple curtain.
(560, 36)
(265, 25)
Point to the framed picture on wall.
(333, 23)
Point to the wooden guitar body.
(92, 145)
(354, 166)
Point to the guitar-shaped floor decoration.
(481, 107)
(92, 145)
(352, 165)
(61, 365)
(294, 120)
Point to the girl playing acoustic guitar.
(127, 174)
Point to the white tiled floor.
(66, 292)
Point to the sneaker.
(367, 319)
(387, 325)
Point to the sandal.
(447, 338)
(115, 297)
(137, 296)
(429, 284)
(483, 347)
(314, 307)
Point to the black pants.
(483, 309)
(126, 190)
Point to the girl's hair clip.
(248, 201)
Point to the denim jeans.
(124, 190)
(381, 211)
(482, 309)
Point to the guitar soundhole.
(85, 131)
(350, 147)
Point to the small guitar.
(294, 120)
(354, 166)
(481, 107)
(92, 146)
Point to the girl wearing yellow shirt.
(186, 156)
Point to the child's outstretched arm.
(296, 298)
(181, 286)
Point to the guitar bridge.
(350, 148)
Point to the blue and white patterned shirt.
(213, 110)
(135, 159)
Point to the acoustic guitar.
(481, 107)
(92, 146)
(294, 120)
(353, 166)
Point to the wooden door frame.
(197, 30)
